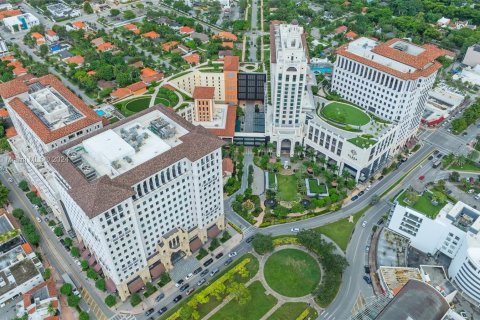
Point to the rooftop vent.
(401, 46)
(88, 171)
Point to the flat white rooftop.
(363, 47)
(116, 151)
(219, 118)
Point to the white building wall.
(464, 270)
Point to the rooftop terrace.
(427, 203)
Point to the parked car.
(380, 178)
(295, 230)
(361, 193)
(162, 311)
(149, 312)
(160, 297)
(229, 260)
(179, 283)
(202, 281)
(208, 262)
(367, 248)
(354, 198)
(218, 256)
(367, 269)
(189, 291)
(232, 254)
(367, 279)
(204, 273)
(184, 287)
(430, 158)
(177, 298)
(188, 276)
(214, 272)
(364, 224)
(38, 219)
(198, 270)
(250, 239)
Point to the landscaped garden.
(315, 187)
(134, 105)
(287, 187)
(293, 310)
(429, 202)
(292, 272)
(345, 114)
(166, 97)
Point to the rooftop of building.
(223, 123)
(398, 57)
(42, 291)
(427, 203)
(416, 300)
(286, 39)
(230, 63)
(396, 277)
(48, 107)
(102, 167)
(5, 225)
(203, 92)
(437, 278)
(17, 274)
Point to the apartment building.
(141, 194)
(390, 80)
(46, 116)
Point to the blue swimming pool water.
(321, 69)
(55, 48)
(101, 113)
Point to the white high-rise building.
(46, 115)
(288, 76)
(141, 194)
(391, 80)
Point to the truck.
(66, 279)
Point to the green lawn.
(292, 272)
(468, 166)
(344, 113)
(287, 187)
(291, 311)
(258, 305)
(341, 230)
(422, 205)
(362, 142)
(315, 187)
(132, 106)
(271, 180)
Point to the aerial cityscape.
(240, 160)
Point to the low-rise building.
(20, 22)
(472, 56)
(442, 101)
(51, 36)
(39, 301)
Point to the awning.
(213, 232)
(195, 244)
(97, 267)
(85, 253)
(110, 286)
(157, 270)
(91, 261)
(136, 285)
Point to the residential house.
(97, 41)
(151, 35)
(132, 27)
(105, 47)
(148, 75)
(64, 54)
(200, 36)
(341, 29)
(182, 49)
(10, 13)
(37, 301)
(223, 53)
(192, 59)
(227, 44)
(169, 46)
(103, 84)
(225, 35)
(134, 89)
(175, 25)
(443, 22)
(20, 22)
(351, 35)
(78, 60)
(39, 38)
(186, 30)
(79, 25)
(51, 36)
(136, 64)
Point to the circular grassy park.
(292, 272)
(346, 114)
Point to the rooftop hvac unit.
(128, 159)
(2, 283)
(401, 46)
(74, 156)
(88, 171)
(116, 164)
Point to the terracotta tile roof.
(37, 35)
(424, 63)
(148, 75)
(79, 24)
(49, 284)
(32, 120)
(51, 33)
(148, 72)
(351, 35)
(8, 57)
(167, 46)
(105, 47)
(227, 165)
(75, 60)
(169, 87)
(19, 71)
(97, 41)
(186, 29)
(130, 26)
(10, 132)
(151, 35)
(193, 58)
(136, 31)
(203, 92)
(3, 113)
(227, 44)
(9, 13)
(103, 193)
(27, 248)
(341, 29)
(92, 72)
(120, 93)
(230, 63)
(229, 130)
(136, 86)
(227, 35)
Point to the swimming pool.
(55, 48)
(318, 70)
(101, 113)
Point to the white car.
(188, 276)
(38, 219)
(10, 180)
(364, 224)
(368, 187)
(232, 254)
(295, 229)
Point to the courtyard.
(345, 114)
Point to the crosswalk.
(123, 317)
(249, 231)
(94, 308)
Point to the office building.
(141, 194)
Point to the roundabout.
(292, 272)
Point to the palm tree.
(299, 149)
(322, 160)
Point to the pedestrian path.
(248, 232)
(123, 317)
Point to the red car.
(421, 178)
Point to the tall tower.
(288, 72)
